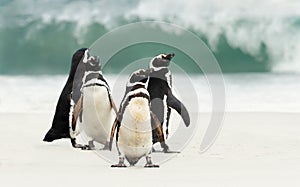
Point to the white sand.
(253, 149)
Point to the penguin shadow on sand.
(133, 124)
(163, 99)
(96, 108)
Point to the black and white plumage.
(97, 104)
(70, 94)
(162, 98)
(134, 131)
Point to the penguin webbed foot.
(149, 163)
(76, 145)
(120, 164)
(151, 166)
(87, 147)
(90, 146)
(165, 149)
(164, 146)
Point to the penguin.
(134, 130)
(162, 98)
(97, 105)
(69, 96)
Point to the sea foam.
(266, 31)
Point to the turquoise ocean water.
(39, 37)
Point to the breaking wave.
(39, 37)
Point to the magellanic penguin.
(97, 104)
(134, 131)
(162, 98)
(70, 94)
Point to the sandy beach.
(253, 149)
(241, 57)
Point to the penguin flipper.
(112, 133)
(113, 105)
(174, 103)
(168, 121)
(76, 113)
(157, 127)
(77, 110)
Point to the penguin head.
(76, 59)
(92, 63)
(162, 60)
(138, 77)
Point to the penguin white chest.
(135, 134)
(97, 113)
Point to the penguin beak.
(170, 56)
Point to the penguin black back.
(60, 123)
(160, 88)
(159, 83)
